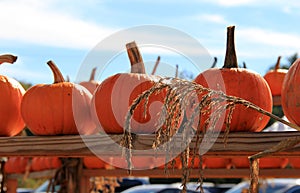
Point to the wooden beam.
(238, 144)
(37, 175)
(194, 173)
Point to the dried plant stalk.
(254, 171)
(180, 95)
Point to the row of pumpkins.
(21, 165)
(49, 109)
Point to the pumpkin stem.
(136, 60)
(93, 73)
(58, 77)
(8, 58)
(277, 63)
(230, 57)
(214, 63)
(176, 73)
(244, 65)
(155, 66)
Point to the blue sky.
(66, 31)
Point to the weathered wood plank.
(172, 173)
(238, 144)
(207, 173)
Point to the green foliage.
(25, 85)
(30, 183)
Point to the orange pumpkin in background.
(290, 99)
(91, 85)
(239, 82)
(275, 78)
(115, 95)
(94, 163)
(58, 108)
(38, 164)
(216, 162)
(11, 122)
(266, 162)
(16, 165)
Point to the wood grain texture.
(238, 144)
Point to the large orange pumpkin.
(115, 95)
(11, 122)
(91, 85)
(242, 83)
(275, 78)
(58, 108)
(290, 99)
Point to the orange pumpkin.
(11, 122)
(53, 162)
(294, 162)
(91, 85)
(58, 108)
(16, 165)
(266, 162)
(216, 162)
(38, 164)
(242, 83)
(115, 95)
(290, 93)
(138, 162)
(159, 162)
(275, 78)
(94, 163)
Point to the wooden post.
(11, 185)
(85, 184)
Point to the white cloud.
(231, 3)
(269, 37)
(37, 22)
(214, 18)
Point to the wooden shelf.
(238, 144)
(172, 173)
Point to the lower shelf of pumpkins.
(213, 167)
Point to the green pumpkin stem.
(8, 58)
(136, 60)
(58, 77)
(277, 63)
(230, 57)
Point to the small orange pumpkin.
(94, 163)
(242, 83)
(266, 162)
(91, 85)
(216, 162)
(11, 122)
(115, 95)
(16, 165)
(275, 78)
(290, 99)
(58, 108)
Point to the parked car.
(24, 190)
(159, 188)
(270, 186)
(211, 187)
(125, 183)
